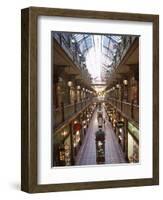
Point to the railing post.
(71, 141)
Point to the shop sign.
(120, 124)
(77, 127)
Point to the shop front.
(133, 143)
(84, 127)
(113, 119)
(120, 132)
(77, 136)
(62, 148)
(67, 150)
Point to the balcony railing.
(73, 53)
(130, 110)
(123, 48)
(64, 112)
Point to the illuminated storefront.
(133, 143)
(77, 135)
(121, 134)
(62, 148)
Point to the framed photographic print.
(90, 99)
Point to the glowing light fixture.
(117, 86)
(125, 82)
(120, 130)
(69, 83)
(78, 87)
(64, 133)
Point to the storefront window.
(121, 137)
(67, 149)
(133, 150)
(76, 138)
(62, 148)
(62, 155)
(133, 130)
(133, 143)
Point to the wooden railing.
(128, 109)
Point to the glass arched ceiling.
(99, 52)
(85, 42)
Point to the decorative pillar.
(75, 99)
(121, 96)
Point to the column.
(72, 143)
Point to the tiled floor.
(87, 153)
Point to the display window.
(67, 151)
(133, 143)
